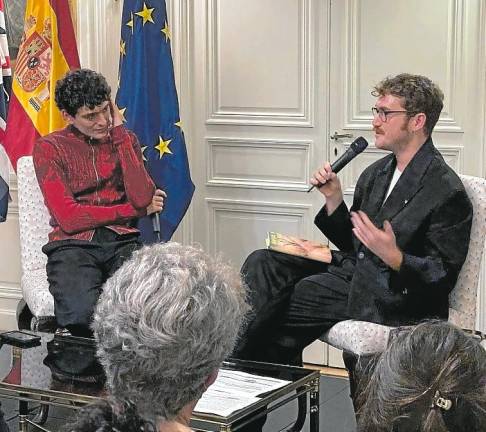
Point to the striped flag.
(48, 50)
(5, 87)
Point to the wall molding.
(218, 146)
(218, 206)
(301, 116)
(450, 121)
(10, 294)
(10, 290)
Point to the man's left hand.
(381, 242)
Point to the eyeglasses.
(382, 114)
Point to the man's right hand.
(157, 203)
(329, 185)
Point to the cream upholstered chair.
(34, 229)
(364, 338)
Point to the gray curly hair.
(431, 359)
(164, 323)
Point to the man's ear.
(419, 121)
(67, 117)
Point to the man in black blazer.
(401, 245)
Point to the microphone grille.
(359, 144)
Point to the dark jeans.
(294, 301)
(76, 271)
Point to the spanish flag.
(47, 51)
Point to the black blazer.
(431, 217)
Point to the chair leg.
(359, 370)
(41, 417)
(350, 361)
(24, 315)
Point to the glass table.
(26, 378)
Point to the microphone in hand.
(356, 147)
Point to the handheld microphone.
(357, 146)
(156, 224)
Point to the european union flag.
(147, 98)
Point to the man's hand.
(381, 242)
(329, 185)
(157, 203)
(116, 117)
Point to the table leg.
(23, 413)
(314, 406)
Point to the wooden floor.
(329, 371)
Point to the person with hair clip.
(164, 323)
(431, 378)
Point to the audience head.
(431, 378)
(109, 416)
(419, 95)
(164, 323)
(81, 88)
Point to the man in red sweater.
(95, 185)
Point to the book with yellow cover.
(299, 247)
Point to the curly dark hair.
(109, 416)
(419, 93)
(81, 87)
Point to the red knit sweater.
(90, 183)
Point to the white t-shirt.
(396, 176)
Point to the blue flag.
(147, 98)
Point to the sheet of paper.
(222, 405)
(234, 390)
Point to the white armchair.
(363, 338)
(34, 229)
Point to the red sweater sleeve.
(72, 216)
(139, 187)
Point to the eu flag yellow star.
(166, 31)
(146, 14)
(122, 48)
(163, 147)
(130, 23)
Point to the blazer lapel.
(375, 199)
(409, 183)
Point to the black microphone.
(357, 146)
(156, 224)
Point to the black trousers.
(77, 270)
(294, 301)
